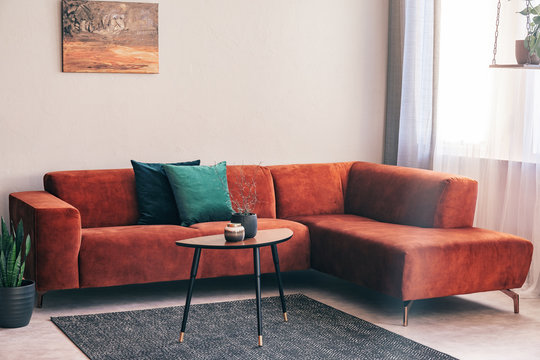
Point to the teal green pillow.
(155, 198)
(201, 192)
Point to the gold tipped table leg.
(270, 237)
(194, 267)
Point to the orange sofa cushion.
(108, 197)
(410, 262)
(103, 197)
(119, 255)
(148, 253)
(410, 196)
(309, 189)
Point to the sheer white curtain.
(488, 120)
(417, 90)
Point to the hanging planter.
(523, 56)
(528, 50)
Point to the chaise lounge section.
(403, 232)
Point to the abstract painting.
(111, 37)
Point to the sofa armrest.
(55, 230)
(410, 196)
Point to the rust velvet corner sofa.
(404, 232)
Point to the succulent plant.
(13, 254)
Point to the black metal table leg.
(194, 267)
(280, 284)
(257, 266)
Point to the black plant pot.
(248, 221)
(17, 304)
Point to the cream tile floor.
(477, 326)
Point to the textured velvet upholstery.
(103, 197)
(293, 254)
(344, 169)
(411, 262)
(404, 232)
(308, 189)
(410, 196)
(119, 207)
(121, 255)
(55, 230)
(266, 200)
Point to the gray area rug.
(228, 330)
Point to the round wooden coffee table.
(264, 238)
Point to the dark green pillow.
(154, 194)
(201, 192)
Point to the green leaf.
(16, 271)
(27, 246)
(524, 12)
(534, 11)
(3, 259)
(19, 236)
(533, 43)
(11, 259)
(14, 249)
(3, 269)
(6, 237)
(21, 274)
(536, 19)
(528, 42)
(22, 260)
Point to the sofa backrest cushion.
(309, 189)
(237, 175)
(108, 197)
(410, 196)
(103, 197)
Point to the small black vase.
(248, 221)
(17, 304)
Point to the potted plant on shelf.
(244, 204)
(16, 294)
(528, 50)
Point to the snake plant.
(13, 254)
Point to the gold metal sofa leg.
(514, 297)
(406, 307)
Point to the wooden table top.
(263, 238)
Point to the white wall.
(247, 81)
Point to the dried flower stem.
(247, 186)
(248, 194)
